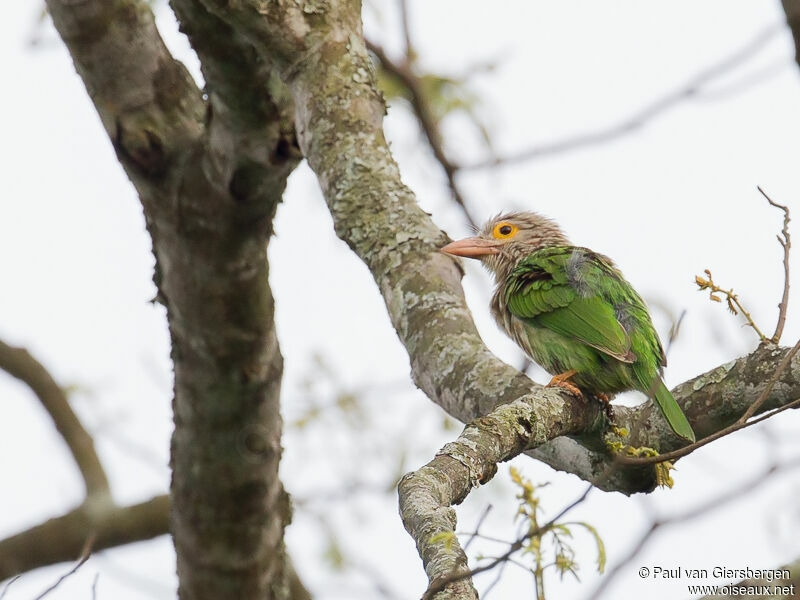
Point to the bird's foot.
(606, 405)
(561, 380)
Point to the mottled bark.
(711, 401)
(209, 175)
(427, 495)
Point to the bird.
(572, 312)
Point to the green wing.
(579, 294)
(571, 291)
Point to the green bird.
(571, 311)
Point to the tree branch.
(640, 117)
(63, 538)
(427, 122)
(427, 494)
(251, 124)
(712, 401)
(20, 364)
(85, 554)
(740, 423)
(209, 189)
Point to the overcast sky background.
(667, 201)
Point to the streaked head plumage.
(507, 238)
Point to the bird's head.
(508, 238)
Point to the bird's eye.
(503, 231)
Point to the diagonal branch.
(63, 538)
(250, 132)
(427, 122)
(20, 364)
(640, 117)
(427, 494)
(84, 556)
(741, 423)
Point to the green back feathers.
(580, 295)
(572, 291)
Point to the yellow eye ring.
(503, 231)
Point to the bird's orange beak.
(473, 247)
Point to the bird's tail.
(671, 410)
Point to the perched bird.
(571, 311)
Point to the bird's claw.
(561, 380)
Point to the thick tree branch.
(20, 364)
(712, 401)
(426, 495)
(741, 423)
(63, 538)
(209, 184)
(641, 117)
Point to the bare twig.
(477, 531)
(674, 330)
(741, 423)
(437, 586)
(85, 554)
(499, 575)
(20, 364)
(786, 243)
(64, 537)
(8, 585)
(732, 300)
(642, 116)
(427, 121)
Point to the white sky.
(673, 198)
